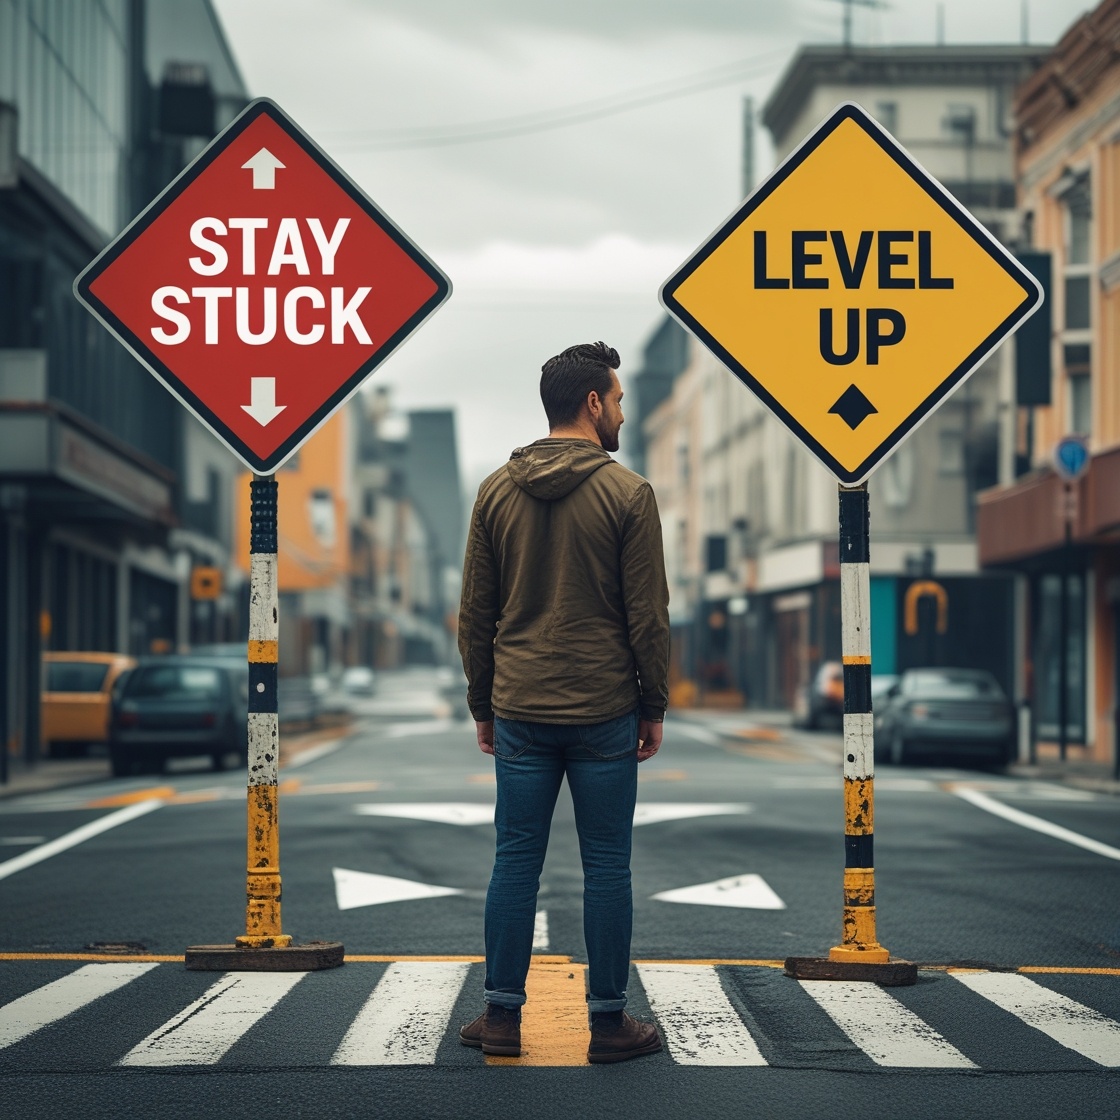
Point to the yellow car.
(76, 694)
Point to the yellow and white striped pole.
(264, 946)
(858, 942)
(859, 956)
(262, 912)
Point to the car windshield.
(75, 676)
(174, 682)
(952, 686)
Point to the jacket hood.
(552, 468)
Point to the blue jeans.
(601, 763)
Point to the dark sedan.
(960, 714)
(179, 707)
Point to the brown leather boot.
(620, 1039)
(496, 1031)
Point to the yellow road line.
(153, 793)
(554, 1020)
(662, 776)
(540, 960)
(107, 957)
(714, 961)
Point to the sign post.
(262, 287)
(852, 294)
(1071, 461)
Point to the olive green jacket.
(565, 609)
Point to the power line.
(436, 136)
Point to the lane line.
(700, 734)
(202, 1033)
(406, 1016)
(312, 754)
(1067, 1022)
(540, 931)
(697, 1019)
(886, 1031)
(63, 997)
(78, 836)
(1036, 824)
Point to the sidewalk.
(60, 773)
(750, 724)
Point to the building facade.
(762, 592)
(1068, 140)
(106, 487)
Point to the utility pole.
(748, 146)
(876, 5)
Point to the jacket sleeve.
(645, 594)
(478, 617)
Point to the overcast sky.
(557, 158)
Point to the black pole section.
(1063, 630)
(262, 523)
(1116, 692)
(33, 648)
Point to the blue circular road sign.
(1071, 457)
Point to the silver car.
(956, 714)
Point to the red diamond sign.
(262, 287)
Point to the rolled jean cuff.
(594, 1005)
(504, 999)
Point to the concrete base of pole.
(311, 957)
(890, 974)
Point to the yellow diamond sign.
(852, 293)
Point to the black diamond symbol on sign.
(853, 407)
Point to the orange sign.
(852, 293)
(206, 583)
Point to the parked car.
(961, 714)
(359, 680)
(176, 707)
(822, 700)
(76, 699)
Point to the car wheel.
(120, 761)
(898, 750)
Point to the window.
(886, 112)
(950, 452)
(1077, 305)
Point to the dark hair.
(567, 379)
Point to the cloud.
(613, 264)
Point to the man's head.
(581, 392)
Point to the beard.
(607, 433)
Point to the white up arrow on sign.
(263, 166)
(262, 394)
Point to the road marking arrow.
(263, 166)
(442, 812)
(654, 811)
(360, 888)
(749, 892)
(262, 393)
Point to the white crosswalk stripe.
(407, 1017)
(63, 997)
(202, 1033)
(1067, 1022)
(888, 1033)
(404, 1020)
(698, 1021)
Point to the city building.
(1068, 141)
(408, 533)
(757, 585)
(109, 493)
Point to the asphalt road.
(386, 846)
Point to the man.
(564, 634)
